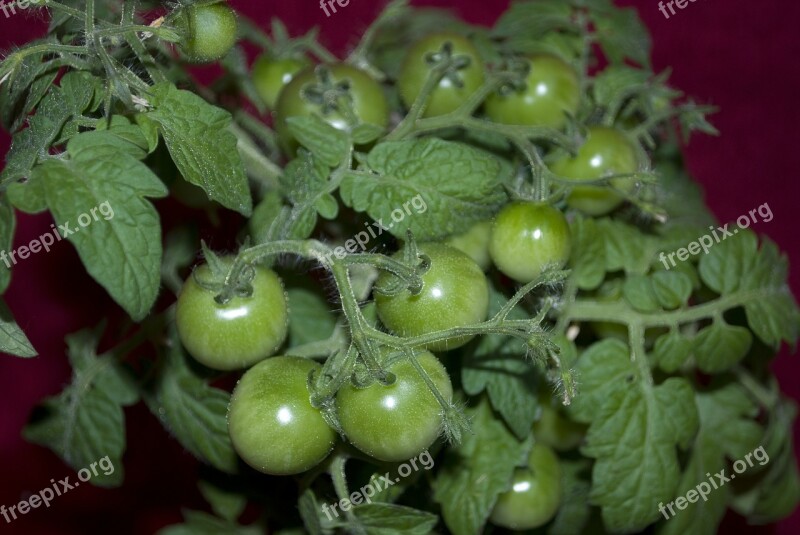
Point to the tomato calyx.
(330, 96)
(513, 74)
(221, 279)
(450, 62)
(417, 264)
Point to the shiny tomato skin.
(397, 422)
(272, 424)
(455, 293)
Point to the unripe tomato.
(239, 333)
(605, 152)
(552, 90)
(396, 422)
(272, 424)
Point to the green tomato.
(397, 422)
(475, 243)
(271, 421)
(239, 333)
(527, 237)
(552, 90)
(553, 428)
(450, 93)
(270, 76)
(605, 152)
(535, 493)
(312, 92)
(455, 293)
(209, 31)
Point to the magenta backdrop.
(736, 54)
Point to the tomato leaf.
(672, 288)
(194, 412)
(456, 185)
(720, 346)
(85, 423)
(736, 267)
(8, 224)
(638, 291)
(622, 35)
(310, 512)
(225, 503)
(327, 143)
(727, 430)
(61, 103)
(635, 427)
(774, 492)
(311, 316)
(627, 248)
(671, 350)
(12, 339)
(587, 259)
(121, 244)
(197, 136)
(477, 471)
(390, 519)
(533, 19)
(200, 523)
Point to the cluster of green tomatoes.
(273, 424)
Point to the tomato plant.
(396, 422)
(420, 194)
(236, 334)
(528, 237)
(551, 91)
(455, 87)
(209, 31)
(454, 294)
(272, 423)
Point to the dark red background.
(737, 54)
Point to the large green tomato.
(455, 293)
(239, 333)
(209, 31)
(270, 76)
(605, 152)
(551, 91)
(475, 243)
(272, 424)
(535, 493)
(450, 93)
(322, 90)
(527, 237)
(397, 422)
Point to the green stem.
(768, 399)
(339, 477)
(620, 312)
